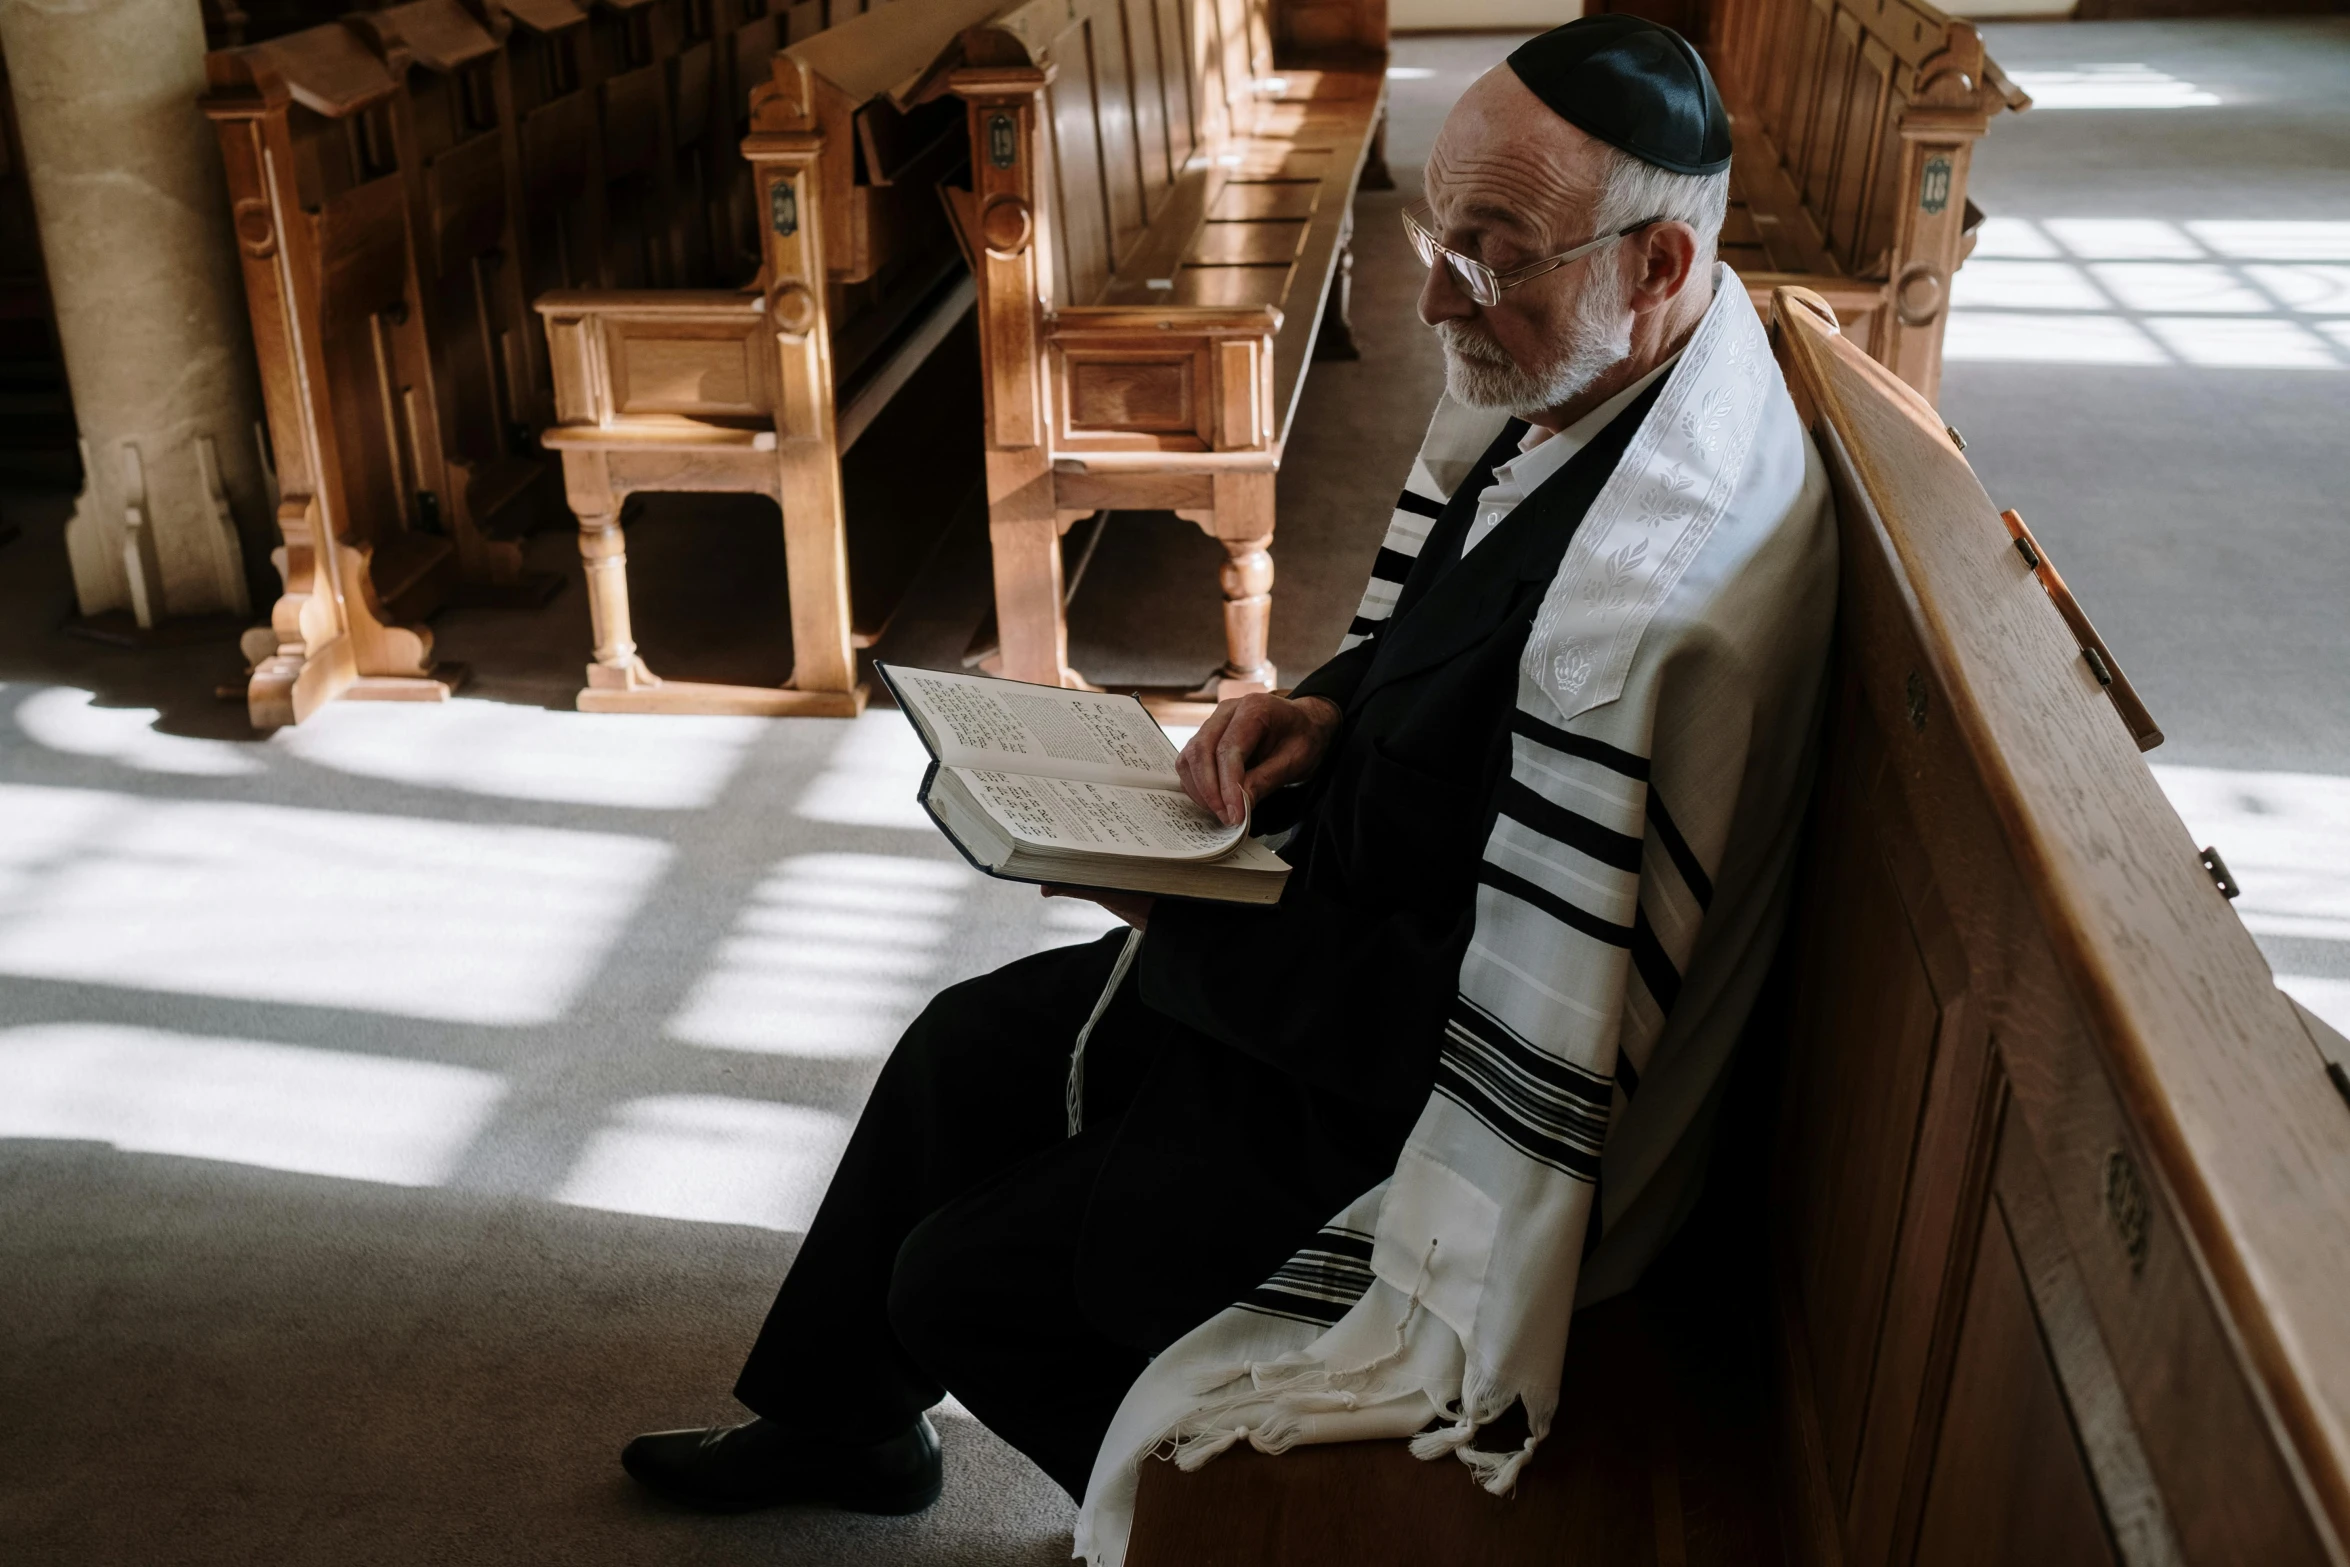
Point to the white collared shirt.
(1542, 454)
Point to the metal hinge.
(2217, 869)
(2101, 663)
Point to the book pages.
(1091, 736)
(1059, 813)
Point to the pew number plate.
(783, 209)
(1934, 186)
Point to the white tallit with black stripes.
(1629, 897)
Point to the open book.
(1036, 783)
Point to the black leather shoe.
(732, 1469)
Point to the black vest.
(1400, 810)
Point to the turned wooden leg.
(1247, 578)
(587, 486)
(604, 548)
(1242, 522)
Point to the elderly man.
(1347, 1164)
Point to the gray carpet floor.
(398, 1112)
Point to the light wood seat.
(2038, 1188)
(1158, 222)
(1852, 125)
(762, 391)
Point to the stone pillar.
(127, 185)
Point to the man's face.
(1511, 183)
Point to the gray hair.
(1634, 190)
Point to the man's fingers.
(1196, 766)
(1233, 749)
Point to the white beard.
(1598, 338)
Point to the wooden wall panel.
(1084, 229)
(2009, 1485)
(1139, 21)
(1117, 122)
(2057, 1372)
(1176, 29)
(1835, 103)
(1855, 1043)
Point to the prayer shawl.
(1618, 944)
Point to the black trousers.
(944, 1254)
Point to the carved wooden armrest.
(1163, 378)
(677, 367)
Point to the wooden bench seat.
(1158, 222)
(2029, 1231)
(761, 392)
(1852, 125)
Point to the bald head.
(1511, 183)
(1506, 159)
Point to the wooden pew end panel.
(684, 390)
(1161, 381)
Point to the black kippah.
(1633, 84)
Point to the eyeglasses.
(1481, 282)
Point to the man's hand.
(1132, 907)
(1251, 746)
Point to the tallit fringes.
(1191, 1452)
(1444, 1440)
(1498, 1472)
(1073, 1097)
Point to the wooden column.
(135, 229)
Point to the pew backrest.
(1853, 125)
(2063, 1197)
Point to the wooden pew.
(1157, 216)
(405, 180)
(2051, 1263)
(310, 134)
(762, 391)
(1852, 125)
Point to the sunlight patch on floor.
(277, 1107)
(455, 921)
(2222, 294)
(831, 958)
(870, 779)
(60, 718)
(2286, 840)
(710, 1158)
(663, 763)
